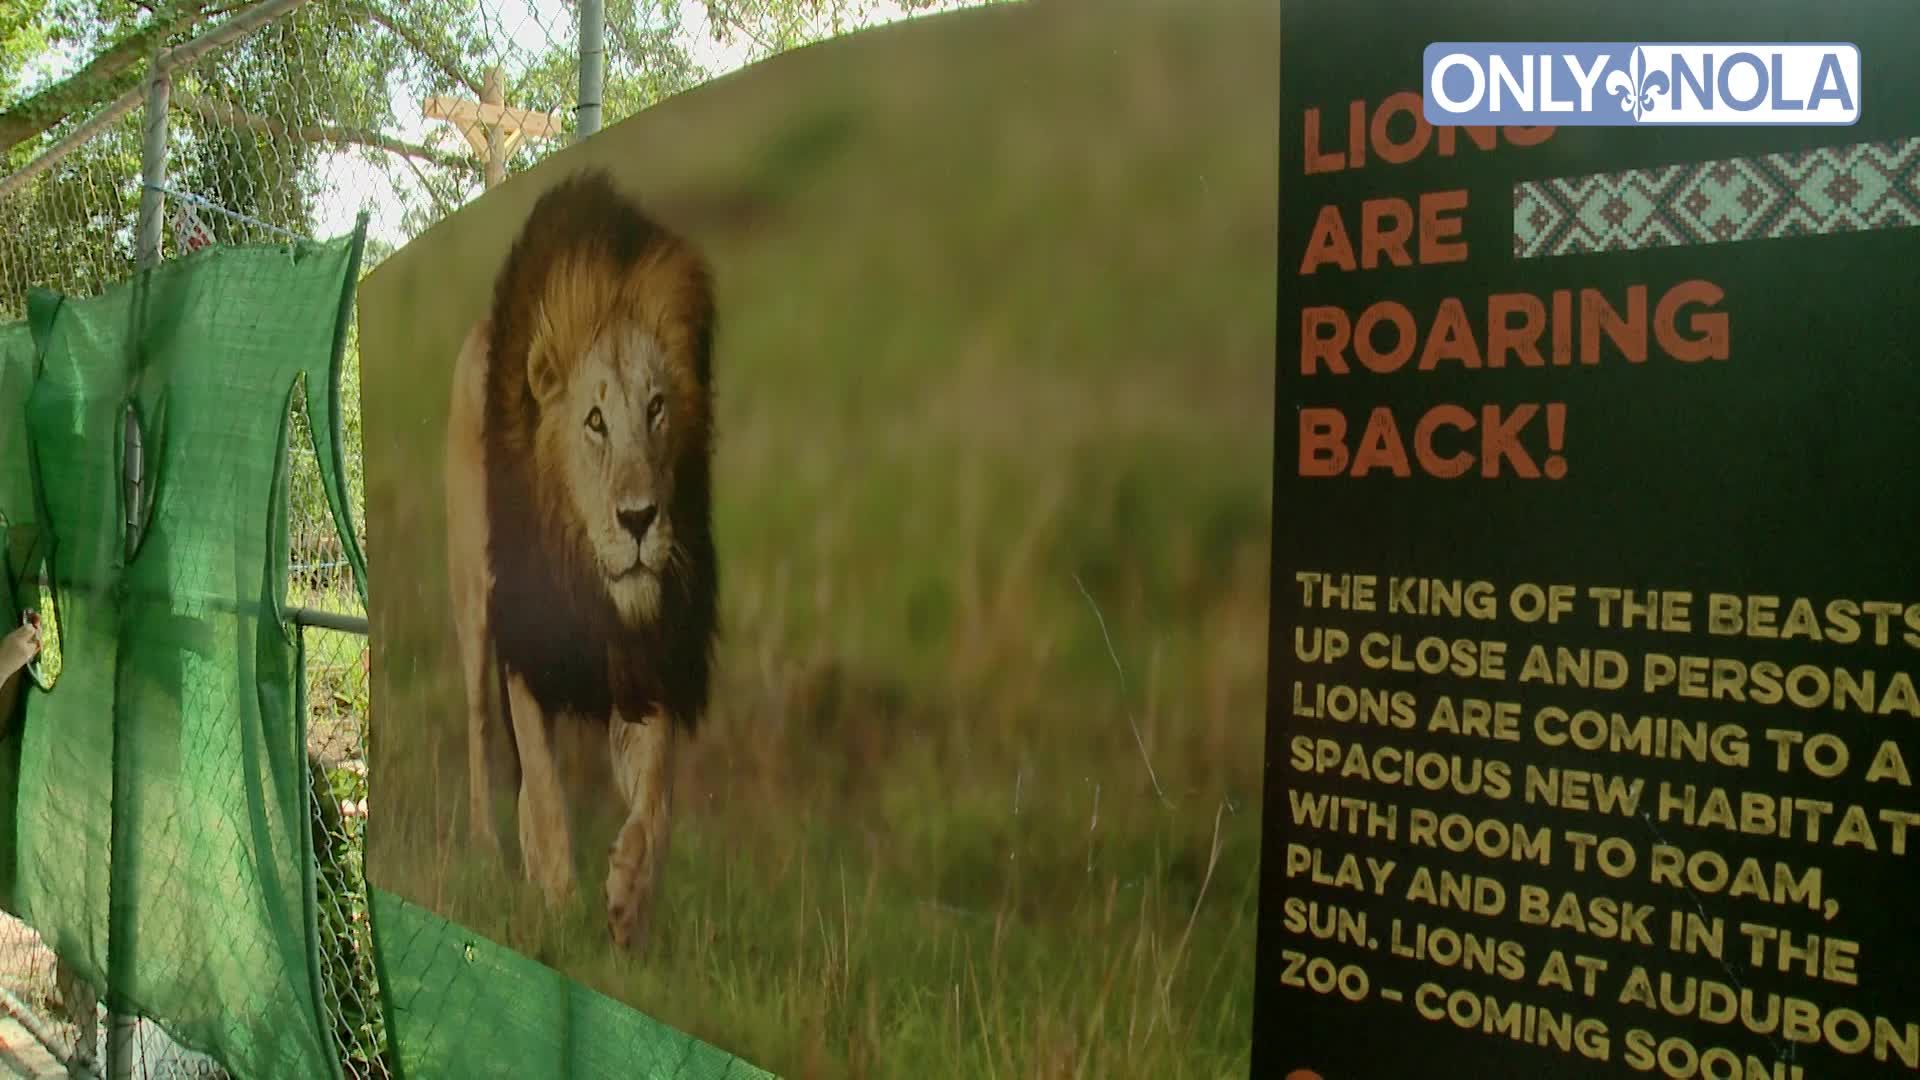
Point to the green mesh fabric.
(459, 1005)
(17, 366)
(159, 793)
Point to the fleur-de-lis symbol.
(1636, 86)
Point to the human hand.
(18, 648)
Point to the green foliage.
(770, 27)
(321, 577)
(72, 228)
(312, 81)
(646, 62)
(349, 981)
(24, 38)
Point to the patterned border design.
(1835, 189)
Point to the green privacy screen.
(936, 361)
(159, 794)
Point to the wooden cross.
(493, 129)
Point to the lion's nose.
(638, 520)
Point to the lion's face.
(600, 371)
(606, 438)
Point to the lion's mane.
(585, 256)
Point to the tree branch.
(737, 23)
(220, 112)
(426, 185)
(105, 77)
(418, 43)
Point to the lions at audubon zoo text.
(579, 526)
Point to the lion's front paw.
(627, 924)
(629, 902)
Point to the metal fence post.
(593, 68)
(153, 166)
(122, 1029)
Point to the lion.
(580, 543)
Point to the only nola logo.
(1573, 84)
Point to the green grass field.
(979, 792)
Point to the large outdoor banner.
(820, 535)
(1597, 602)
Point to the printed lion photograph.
(818, 537)
(579, 532)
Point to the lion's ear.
(543, 376)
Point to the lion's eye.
(595, 422)
(656, 410)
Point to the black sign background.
(1786, 470)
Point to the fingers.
(26, 637)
